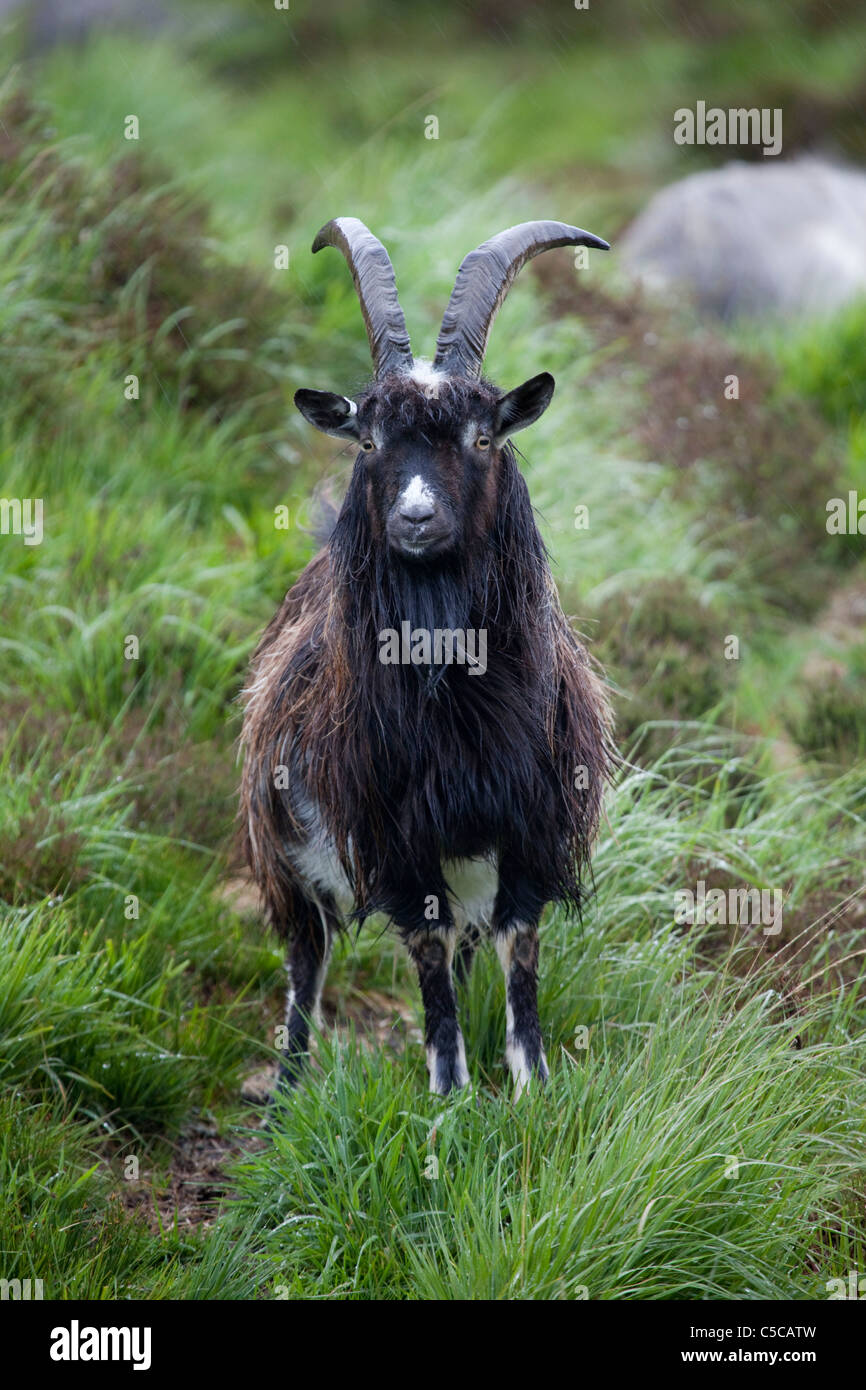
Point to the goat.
(452, 795)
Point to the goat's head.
(431, 434)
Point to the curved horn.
(484, 279)
(374, 280)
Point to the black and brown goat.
(389, 765)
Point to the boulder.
(783, 239)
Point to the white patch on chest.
(472, 883)
(316, 858)
(472, 887)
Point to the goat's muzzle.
(419, 529)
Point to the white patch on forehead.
(416, 493)
(428, 377)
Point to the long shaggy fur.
(411, 766)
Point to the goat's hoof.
(526, 1071)
(438, 1087)
(447, 1070)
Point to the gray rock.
(57, 21)
(781, 239)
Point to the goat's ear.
(522, 406)
(330, 413)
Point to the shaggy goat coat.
(448, 797)
(401, 769)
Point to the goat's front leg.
(433, 953)
(517, 949)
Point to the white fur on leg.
(461, 1077)
(322, 971)
(521, 1071)
(448, 937)
(315, 1011)
(515, 1053)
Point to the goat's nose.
(417, 512)
(416, 503)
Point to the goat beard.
(497, 583)
(444, 597)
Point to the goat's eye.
(367, 445)
(482, 442)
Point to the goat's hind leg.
(311, 936)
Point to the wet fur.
(410, 767)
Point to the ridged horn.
(484, 279)
(374, 280)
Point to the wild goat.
(449, 793)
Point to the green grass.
(134, 997)
(62, 1222)
(694, 1156)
